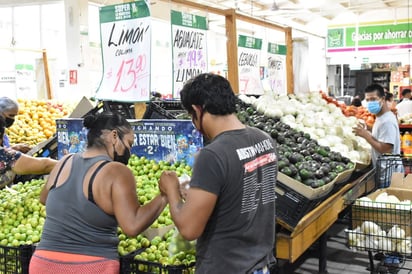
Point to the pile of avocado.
(300, 157)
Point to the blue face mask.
(374, 107)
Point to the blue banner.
(167, 140)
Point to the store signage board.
(167, 140)
(125, 33)
(277, 68)
(189, 48)
(369, 38)
(249, 65)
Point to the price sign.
(189, 48)
(249, 65)
(126, 45)
(277, 68)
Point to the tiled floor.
(340, 259)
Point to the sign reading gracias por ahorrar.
(369, 37)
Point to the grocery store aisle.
(341, 259)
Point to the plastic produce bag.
(178, 245)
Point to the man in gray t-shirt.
(385, 136)
(230, 205)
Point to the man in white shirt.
(405, 106)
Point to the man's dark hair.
(210, 91)
(405, 91)
(104, 121)
(375, 87)
(388, 96)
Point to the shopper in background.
(13, 162)
(8, 110)
(87, 196)
(391, 102)
(356, 101)
(385, 137)
(405, 106)
(230, 205)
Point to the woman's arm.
(132, 217)
(26, 164)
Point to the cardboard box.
(313, 193)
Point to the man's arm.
(191, 216)
(380, 147)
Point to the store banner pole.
(47, 75)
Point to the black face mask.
(9, 121)
(124, 158)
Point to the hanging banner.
(249, 65)
(277, 68)
(126, 46)
(369, 37)
(160, 140)
(189, 49)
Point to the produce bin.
(165, 110)
(129, 265)
(47, 148)
(123, 108)
(382, 221)
(291, 206)
(15, 260)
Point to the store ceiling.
(299, 14)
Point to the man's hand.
(361, 130)
(168, 182)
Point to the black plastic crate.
(292, 206)
(46, 148)
(123, 108)
(165, 110)
(388, 164)
(15, 260)
(129, 265)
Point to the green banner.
(371, 35)
(276, 49)
(249, 42)
(379, 35)
(124, 11)
(188, 20)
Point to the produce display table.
(313, 226)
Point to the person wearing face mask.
(13, 162)
(230, 204)
(385, 136)
(87, 196)
(8, 110)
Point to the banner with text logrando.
(249, 65)
(125, 34)
(277, 68)
(189, 49)
(160, 140)
(369, 37)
